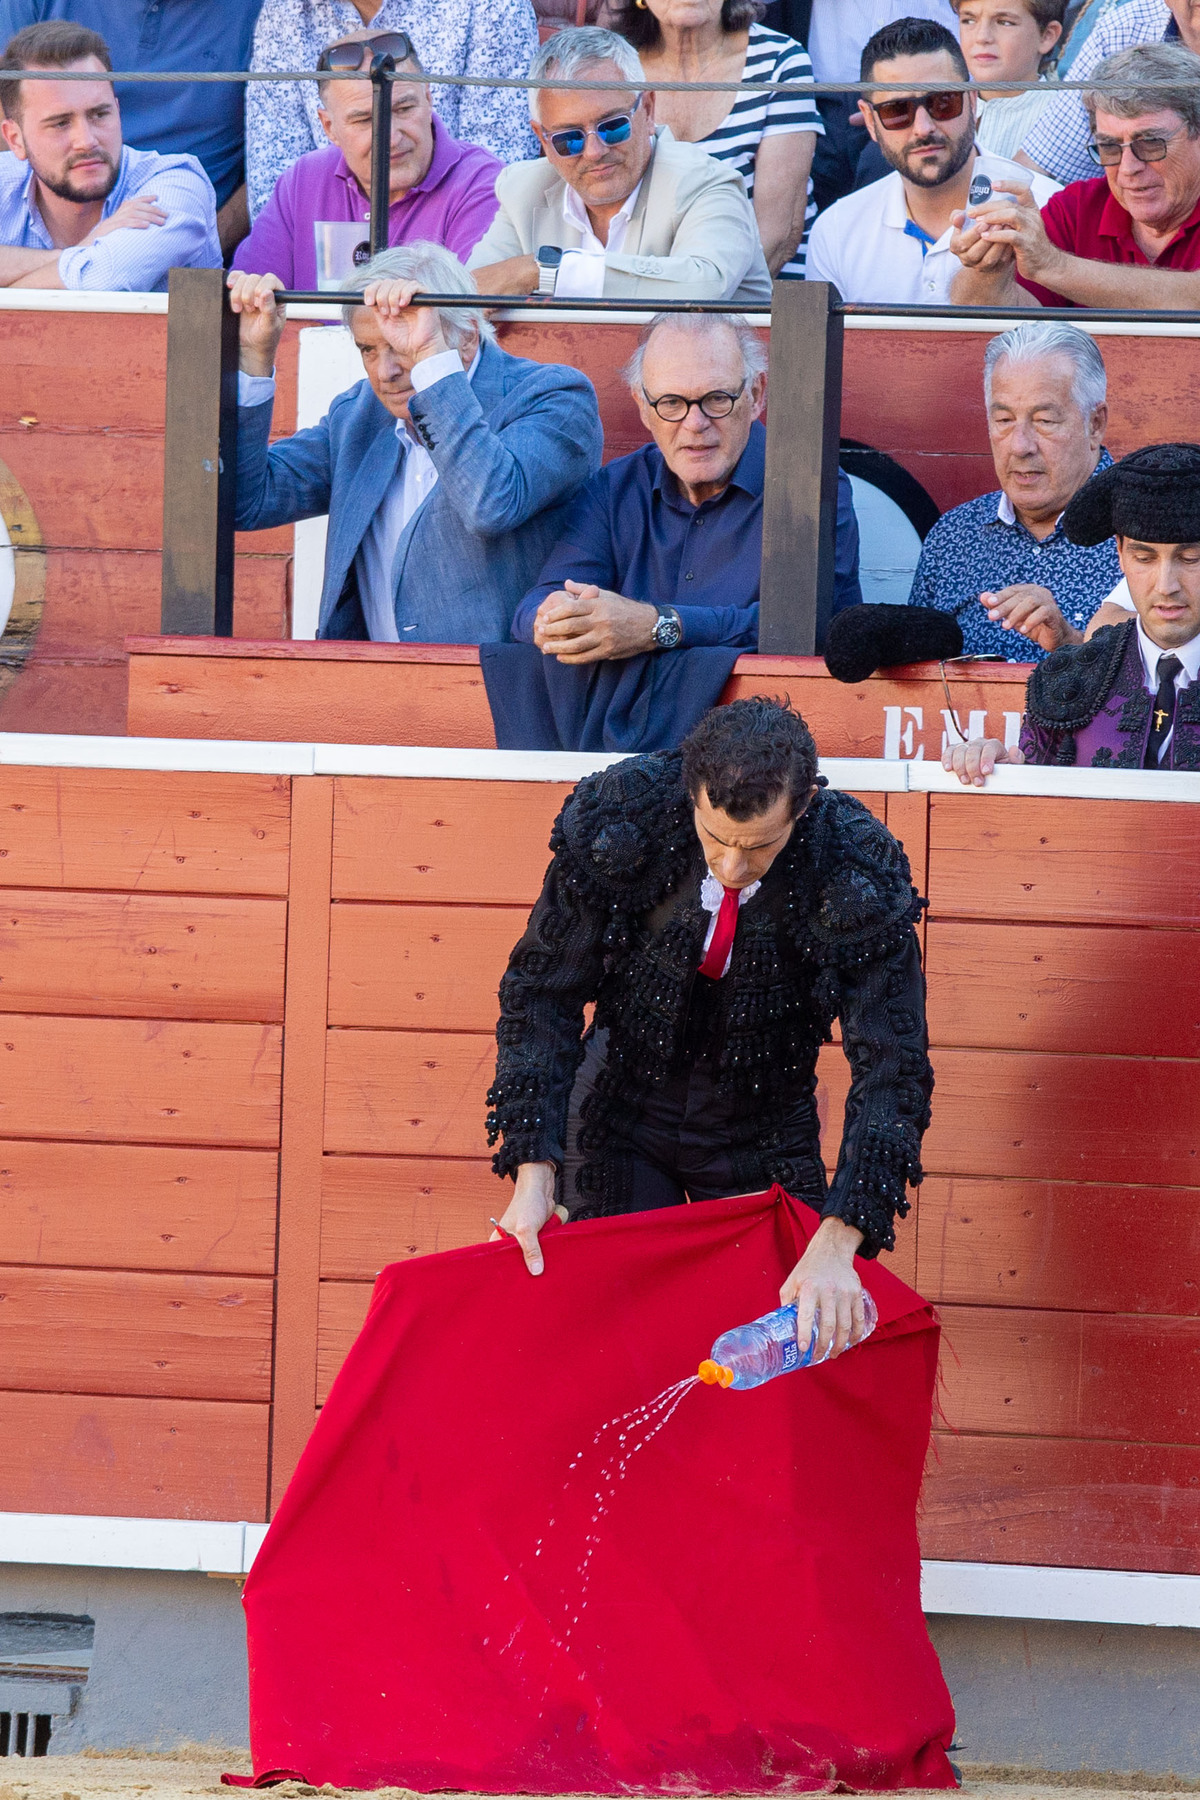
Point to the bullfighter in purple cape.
(1129, 697)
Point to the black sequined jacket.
(829, 936)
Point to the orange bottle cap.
(715, 1374)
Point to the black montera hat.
(1153, 495)
(864, 638)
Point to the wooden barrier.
(246, 1032)
(82, 394)
(434, 694)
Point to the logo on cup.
(362, 254)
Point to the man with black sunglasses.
(891, 241)
(616, 207)
(1128, 238)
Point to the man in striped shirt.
(78, 208)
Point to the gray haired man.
(1131, 237)
(446, 474)
(616, 208)
(1002, 564)
(663, 548)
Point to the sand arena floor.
(196, 1772)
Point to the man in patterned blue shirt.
(1002, 564)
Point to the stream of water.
(634, 1430)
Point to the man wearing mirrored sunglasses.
(891, 241)
(1128, 238)
(616, 207)
(662, 549)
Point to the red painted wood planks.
(418, 966)
(1079, 1375)
(133, 1458)
(200, 1337)
(372, 702)
(141, 955)
(149, 831)
(139, 1081)
(1064, 988)
(1064, 1118)
(407, 1093)
(443, 840)
(1062, 1502)
(377, 1210)
(1057, 1244)
(125, 1206)
(1117, 862)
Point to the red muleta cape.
(753, 1620)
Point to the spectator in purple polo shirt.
(442, 192)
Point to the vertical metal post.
(804, 410)
(381, 150)
(200, 472)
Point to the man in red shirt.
(1131, 238)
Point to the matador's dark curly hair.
(747, 755)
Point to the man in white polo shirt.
(890, 241)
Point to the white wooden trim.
(980, 1590)
(1070, 784)
(234, 756)
(1096, 1596)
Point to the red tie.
(717, 954)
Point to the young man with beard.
(78, 208)
(890, 241)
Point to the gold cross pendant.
(1160, 718)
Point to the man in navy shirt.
(193, 118)
(663, 548)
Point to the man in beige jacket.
(617, 207)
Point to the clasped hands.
(583, 623)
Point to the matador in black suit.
(721, 908)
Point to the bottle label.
(791, 1355)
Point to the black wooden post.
(200, 473)
(804, 411)
(381, 150)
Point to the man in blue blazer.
(446, 474)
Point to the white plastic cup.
(342, 246)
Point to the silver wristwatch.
(668, 633)
(548, 257)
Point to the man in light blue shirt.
(79, 209)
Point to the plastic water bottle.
(751, 1354)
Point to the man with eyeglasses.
(662, 549)
(1128, 238)
(616, 207)
(891, 241)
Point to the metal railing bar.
(1079, 315)
(819, 89)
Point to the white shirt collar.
(712, 894)
(1188, 654)
(575, 213)
(1006, 513)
